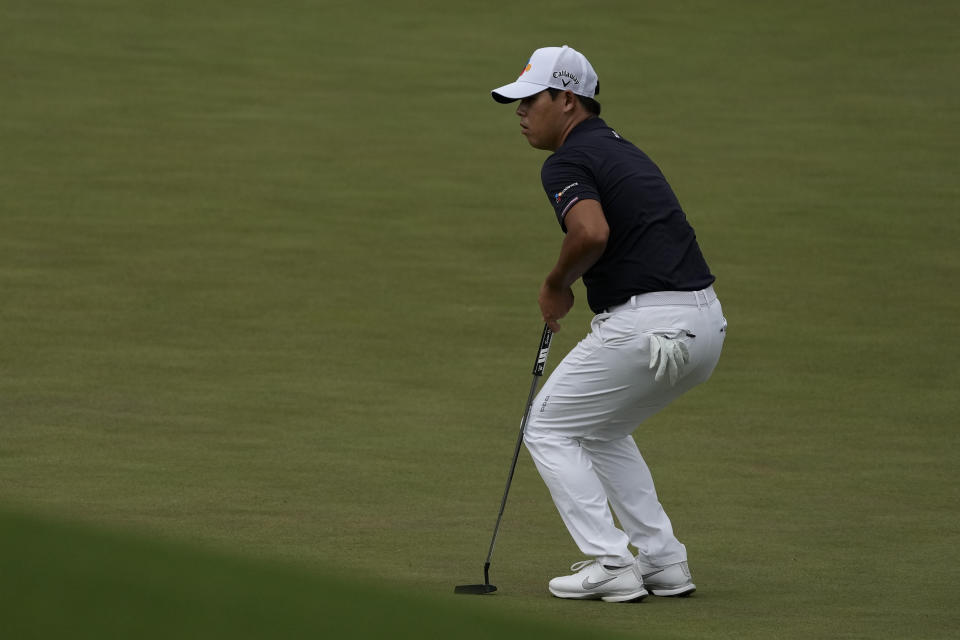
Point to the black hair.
(589, 104)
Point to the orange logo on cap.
(525, 69)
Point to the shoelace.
(576, 566)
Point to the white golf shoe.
(592, 581)
(671, 580)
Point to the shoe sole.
(636, 596)
(677, 592)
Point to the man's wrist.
(555, 282)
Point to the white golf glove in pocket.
(668, 354)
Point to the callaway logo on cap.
(552, 68)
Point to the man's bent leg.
(581, 396)
(579, 496)
(630, 489)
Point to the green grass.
(269, 276)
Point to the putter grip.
(544, 350)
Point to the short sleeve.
(567, 180)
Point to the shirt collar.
(590, 124)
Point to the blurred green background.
(269, 276)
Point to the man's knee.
(540, 439)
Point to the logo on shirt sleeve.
(559, 195)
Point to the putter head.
(474, 589)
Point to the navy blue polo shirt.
(651, 246)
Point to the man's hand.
(555, 302)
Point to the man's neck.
(572, 124)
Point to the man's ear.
(569, 100)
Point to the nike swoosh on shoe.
(593, 585)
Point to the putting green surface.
(269, 276)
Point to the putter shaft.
(538, 366)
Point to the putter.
(486, 587)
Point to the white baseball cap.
(552, 67)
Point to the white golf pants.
(580, 427)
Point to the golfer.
(657, 332)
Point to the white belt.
(701, 298)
